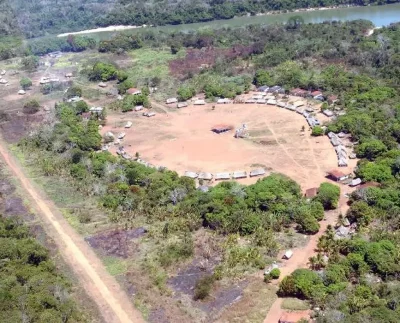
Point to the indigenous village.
(204, 186)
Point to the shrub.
(74, 91)
(31, 107)
(317, 131)
(267, 278)
(176, 251)
(185, 93)
(275, 273)
(203, 287)
(303, 283)
(25, 83)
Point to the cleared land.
(113, 303)
(182, 140)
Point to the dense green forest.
(350, 280)
(31, 289)
(40, 18)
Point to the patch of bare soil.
(116, 242)
(158, 316)
(19, 126)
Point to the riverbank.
(299, 10)
(101, 29)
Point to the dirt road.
(114, 305)
(300, 256)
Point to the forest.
(41, 18)
(32, 289)
(350, 280)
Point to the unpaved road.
(114, 305)
(301, 255)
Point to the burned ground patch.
(158, 316)
(116, 242)
(223, 297)
(18, 126)
(185, 280)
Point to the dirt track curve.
(114, 305)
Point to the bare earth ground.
(182, 140)
(113, 303)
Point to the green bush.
(303, 283)
(185, 93)
(267, 278)
(25, 83)
(317, 131)
(74, 91)
(275, 273)
(203, 287)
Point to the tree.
(361, 213)
(262, 77)
(30, 63)
(301, 283)
(308, 224)
(124, 86)
(317, 131)
(185, 92)
(103, 72)
(25, 83)
(371, 149)
(374, 172)
(328, 195)
(81, 106)
(74, 91)
(289, 74)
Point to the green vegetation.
(328, 195)
(185, 93)
(352, 279)
(31, 287)
(203, 287)
(81, 15)
(31, 107)
(25, 83)
(317, 131)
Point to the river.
(379, 15)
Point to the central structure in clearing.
(220, 128)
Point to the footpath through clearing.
(113, 303)
(301, 255)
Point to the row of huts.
(225, 175)
(314, 94)
(340, 149)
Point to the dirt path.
(286, 151)
(114, 305)
(300, 256)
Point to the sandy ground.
(113, 303)
(182, 140)
(98, 30)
